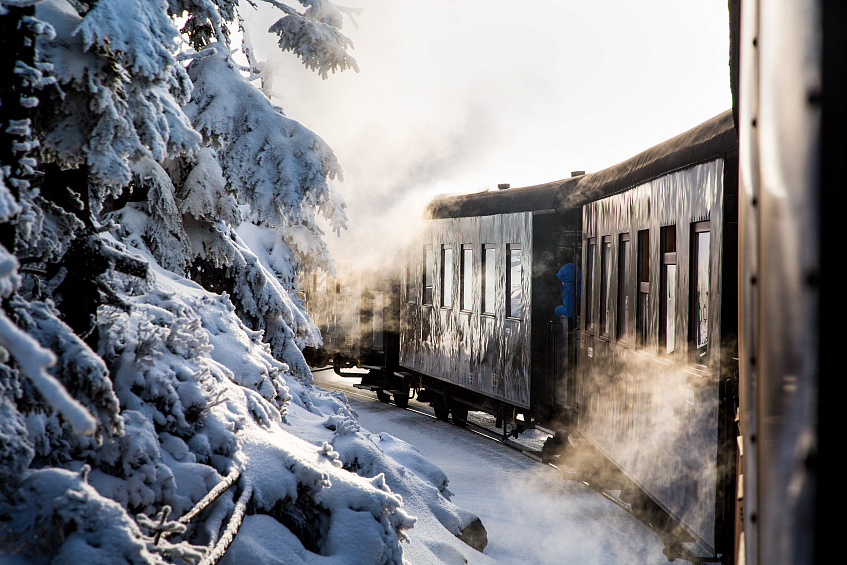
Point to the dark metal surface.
(792, 121)
(488, 354)
(656, 416)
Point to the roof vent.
(577, 173)
(503, 186)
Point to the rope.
(231, 529)
(213, 495)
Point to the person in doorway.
(569, 276)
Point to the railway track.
(472, 427)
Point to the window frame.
(466, 279)
(642, 281)
(590, 267)
(486, 280)
(428, 275)
(510, 247)
(605, 284)
(411, 279)
(668, 254)
(378, 320)
(446, 281)
(624, 290)
(321, 282)
(697, 357)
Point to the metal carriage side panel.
(467, 324)
(500, 346)
(336, 310)
(656, 416)
(443, 360)
(517, 328)
(488, 342)
(488, 354)
(415, 335)
(410, 305)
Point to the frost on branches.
(154, 209)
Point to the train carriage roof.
(710, 139)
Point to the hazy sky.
(460, 95)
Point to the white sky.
(459, 95)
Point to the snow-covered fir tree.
(154, 209)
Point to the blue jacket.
(571, 291)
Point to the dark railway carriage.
(792, 116)
(646, 378)
(477, 327)
(639, 384)
(356, 312)
(657, 375)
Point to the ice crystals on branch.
(314, 37)
(120, 89)
(277, 166)
(154, 218)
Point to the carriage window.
(429, 271)
(589, 285)
(446, 276)
(514, 303)
(488, 278)
(320, 282)
(642, 316)
(667, 316)
(623, 287)
(605, 283)
(700, 240)
(467, 277)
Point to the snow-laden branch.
(34, 361)
(190, 56)
(5, 4)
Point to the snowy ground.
(531, 514)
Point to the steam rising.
(458, 96)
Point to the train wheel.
(460, 416)
(401, 400)
(440, 409)
(382, 396)
(553, 449)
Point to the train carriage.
(476, 301)
(356, 312)
(639, 382)
(657, 377)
